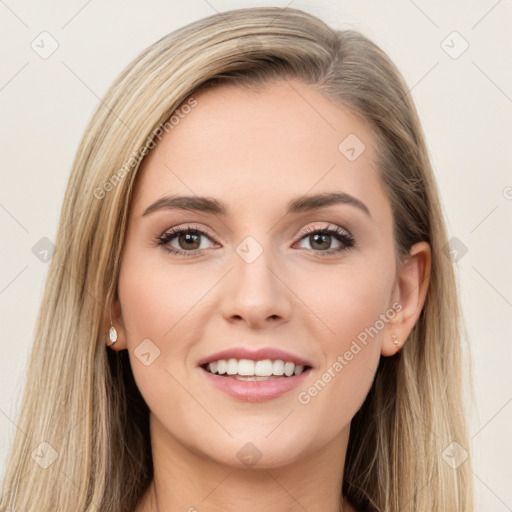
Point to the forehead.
(264, 146)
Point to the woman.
(253, 228)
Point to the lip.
(255, 355)
(255, 391)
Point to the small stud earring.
(395, 339)
(112, 334)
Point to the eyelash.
(340, 234)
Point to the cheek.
(157, 300)
(353, 304)
(156, 304)
(148, 304)
(162, 308)
(348, 299)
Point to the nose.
(256, 292)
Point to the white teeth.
(245, 367)
(288, 369)
(263, 368)
(221, 367)
(232, 367)
(248, 368)
(278, 367)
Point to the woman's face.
(264, 275)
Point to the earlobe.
(116, 339)
(412, 282)
(112, 335)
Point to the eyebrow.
(298, 205)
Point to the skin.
(255, 151)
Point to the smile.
(254, 381)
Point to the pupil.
(190, 238)
(323, 237)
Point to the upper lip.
(255, 355)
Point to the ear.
(410, 291)
(117, 321)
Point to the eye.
(188, 240)
(189, 243)
(320, 240)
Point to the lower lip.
(256, 390)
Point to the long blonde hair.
(83, 439)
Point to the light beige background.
(465, 103)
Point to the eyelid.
(326, 226)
